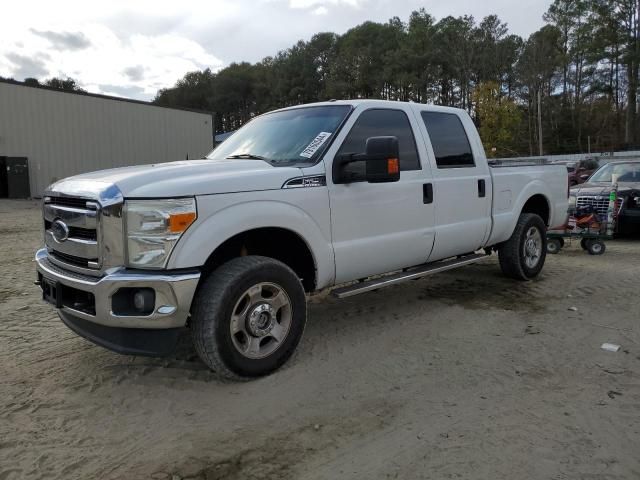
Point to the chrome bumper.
(174, 293)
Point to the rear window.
(449, 140)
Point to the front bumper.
(173, 295)
(128, 341)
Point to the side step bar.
(412, 274)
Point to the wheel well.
(279, 243)
(538, 204)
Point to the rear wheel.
(522, 256)
(554, 245)
(596, 247)
(248, 317)
(583, 243)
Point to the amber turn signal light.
(179, 222)
(393, 166)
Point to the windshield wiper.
(246, 156)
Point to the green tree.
(32, 82)
(419, 49)
(68, 84)
(536, 69)
(498, 119)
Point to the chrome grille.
(70, 259)
(599, 204)
(69, 201)
(77, 232)
(80, 216)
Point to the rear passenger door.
(462, 184)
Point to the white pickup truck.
(361, 193)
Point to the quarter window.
(449, 140)
(377, 123)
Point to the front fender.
(221, 217)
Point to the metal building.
(48, 134)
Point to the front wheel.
(248, 317)
(522, 256)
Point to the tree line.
(570, 87)
(66, 84)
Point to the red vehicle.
(580, 171)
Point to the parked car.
(627, 175)
(581, 170)
(362, 193)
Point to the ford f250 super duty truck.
(362, 194)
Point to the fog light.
(144, 300)
(134, 301)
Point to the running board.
(412, 274)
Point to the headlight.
(572, 200)
(154, 227)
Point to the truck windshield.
(290, 137)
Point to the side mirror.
(382, 159)
(381, 162)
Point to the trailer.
(587, 223)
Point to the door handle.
(482, 188)
(427, 193)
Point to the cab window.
(449, 140)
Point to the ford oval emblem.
(59, 230)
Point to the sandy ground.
(465, 375)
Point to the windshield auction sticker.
(315, 144)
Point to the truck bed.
(514, 182)
(497, 163)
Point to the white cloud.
(321, 10)
(139, 61)
(313, 3)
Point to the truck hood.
(601, 188)
(175, 179)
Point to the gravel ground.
(464, 375)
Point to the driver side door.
(381, 227)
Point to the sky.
(133, 48)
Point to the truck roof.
(377, 103)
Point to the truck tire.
(248, 317)
(522, 256)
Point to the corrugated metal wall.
(64, 134)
